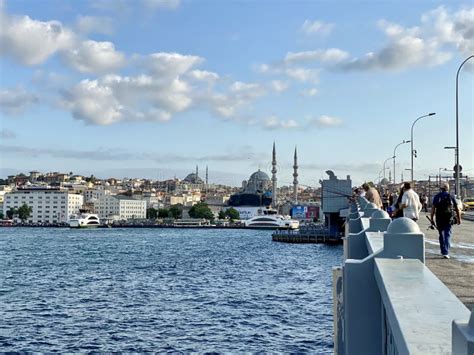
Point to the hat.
(444, 186)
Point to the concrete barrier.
(382, 258)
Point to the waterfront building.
(95, 194)
(119, 208)
(49, 205)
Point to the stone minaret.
(274, 178)
(197, 171)
(295, 178)
(207, 178)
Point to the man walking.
(444, 208)
(411, 204)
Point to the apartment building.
(119, 207)
(49, 205)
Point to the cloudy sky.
(154, 87)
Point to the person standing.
(444, 208)
(411, 204)
(372, 195)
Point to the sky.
(152, 88)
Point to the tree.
(1, 215)
(163, 213)
(232, 213)
(201, 210)
(24, 212)
(176, 211)
(11, 212)
(222, 214)
(151, 213)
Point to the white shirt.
(412, 201)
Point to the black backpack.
(445, 210)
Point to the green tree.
(222, 214)
(1, 215)
(232, 213)
(163, 213)
(24, 212)
(11, 212)
(201, 210)
(151, 213)
(176, 211)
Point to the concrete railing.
(386, 301)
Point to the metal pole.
(394, 156)
(412, 151)
(457, 187)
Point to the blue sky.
(154, 87)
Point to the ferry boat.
(85, 220)
(271, 220)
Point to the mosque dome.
(193, 179)
(258, 181)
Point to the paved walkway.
(458, 272)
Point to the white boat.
(271, 220)
(84, 220)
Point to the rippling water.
(163, 290)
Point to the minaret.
(274, 178)
(295, 178)
(197, 170)
(207, 177)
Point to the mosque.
(259, 192)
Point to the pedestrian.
(372, 195)
(385, 200)
(444, 209)
(411, 204)
(397, 211)
(424, 202)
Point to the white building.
(49, 205)
(95, 194)
(120, 208)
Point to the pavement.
(457, 273)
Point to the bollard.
(379, 221)
(369, 209)
(403, 237)
(463, 336)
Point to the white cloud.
(274, 122)
(330, 56)
(31, 42)
(95, 24)
(279, 86)
(303, 74)
(429, 44)
(203, 75)
(310, 92)
(171, 64)
(324, 121)
(94, 103)
(316, 27)
(94, 57)
(16, 101)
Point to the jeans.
(444, 239)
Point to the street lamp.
(457, 187)
(412, 151)
(394, 156)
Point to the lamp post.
(394, 156)
(412, 150)
(457, 187)
(386, 160)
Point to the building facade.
(49, 205)
(119, 208)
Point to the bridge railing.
(386, 301)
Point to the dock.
(314, 233)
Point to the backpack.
(445, 210)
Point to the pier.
(386, 299)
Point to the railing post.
(404, 238)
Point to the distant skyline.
(155, 87)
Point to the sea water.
(164, 290)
